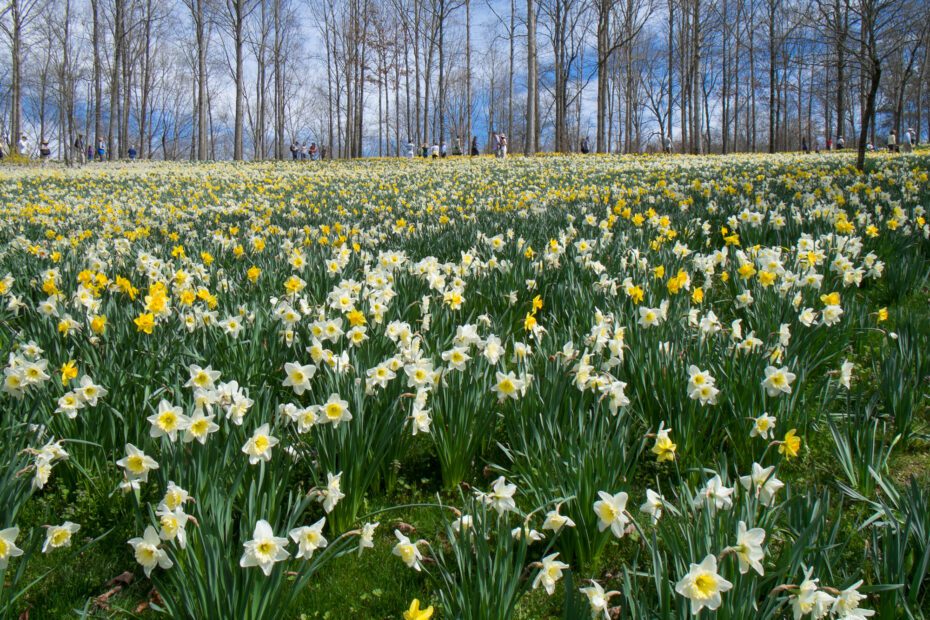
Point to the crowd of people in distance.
(304, 152)
(82, 153)
(908, 141)
(439, 149)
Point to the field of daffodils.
(561, 387)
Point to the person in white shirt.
(22, 146)
(906, 141)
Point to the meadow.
(560, 387)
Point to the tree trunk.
(16, 86)
(531, 78)
(603, 45)
(867, 114)
(468, 109)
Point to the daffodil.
(611, 512)
(332, 494)
(148, 552)
(778, 380)
(167, 421)
(309, 538)
(598, 599)
(407, 551)
(664, 449)
(748, 548)
(762, 426)
(555, 520)
(790, 446)
(145, 322)
(69, 371)
(653, 505)
(298, 376)
(703, 585)
(367, 536)
(259, 445)
(550, 571)
(762, 483)
(508, 386)
(59, 536)
(8, 548)
(415, 613)
(335, 411)
(501, 496)
(199, 426)
(137, 463)
(265, 549)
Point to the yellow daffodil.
(415, 613)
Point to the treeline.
(244, 79)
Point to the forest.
(244, 79)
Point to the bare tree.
(17, 19)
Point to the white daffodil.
(762, 426)
(59, 536)
(331, 495)
(501, 496)
(748, 548)
(265, 549)
(762, 483)
(508, 386)
(716, 494)
(199, 427)
(653, 505)
(148, 552)
(611, 513)
(846, 369)
(259, 445)
(309, 538)
(703, 585)
(8, 548)
(366, 539)
(298, 377)
(137, 464)
(598, 599)
(175, 496)
(549, 573)
(173, 523)
(168, 421)
(555, 521)
(847, 602)
(334, 411)
(407, 551)
(778, 380)
(89, 391)
(202, 378)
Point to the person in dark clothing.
(79, 149)
(133, 153)
(804, 146)
(585, 147)
(474, 146)
(294, 150)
